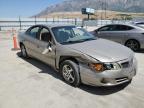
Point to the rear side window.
(125, 28)
(106, 28)
(33, 32)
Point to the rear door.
(32, 40)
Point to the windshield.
(71, 34)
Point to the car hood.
(103, 50)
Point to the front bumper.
(142, 45)
(141, 40)
(108, 77)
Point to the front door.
(104, 32)
(111, 32)
(45, 41)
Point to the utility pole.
(88, 16)
(102, 9)
(105, 10)
(35, 20)
(20, 22)
(46, 20)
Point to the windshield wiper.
(77, 41)
(89, 39)
(70, 42)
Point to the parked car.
(79, 56)
(140, 24)
(128, 35)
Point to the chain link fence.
(24, 23)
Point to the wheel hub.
(23, 51)
(133, 45)
(68, 73)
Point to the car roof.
(53, 25)
(139, 22)
(131, 25)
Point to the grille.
(121, 79)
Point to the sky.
(23, 8)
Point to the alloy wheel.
(23, 51)
(134, 45)
(68, 73)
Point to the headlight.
(100, 67)
(112, 66)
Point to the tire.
(70, 72)
(23, 51)
(133, 44)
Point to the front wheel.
(70, 72)
(133, 44)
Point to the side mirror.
(48, 49)
(98, 32)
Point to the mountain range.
(135, 6)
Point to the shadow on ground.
(90, 89)
(42, 66)
(103, 90)
(140, 51)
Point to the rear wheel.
(70, 72)
(23, 51)
(133, 44)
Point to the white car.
(129, 35)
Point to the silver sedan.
(79, 56)
(128, 35)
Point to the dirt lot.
(32, 84)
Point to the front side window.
(125, 28)
(71, 34)
(116, 28)
(45, 35)
(106, 28)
